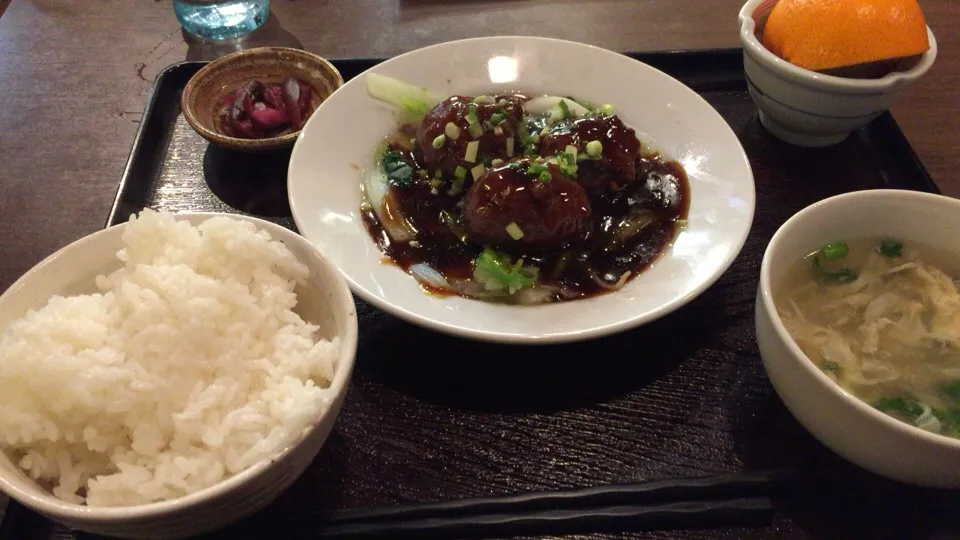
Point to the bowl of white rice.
(167, 376)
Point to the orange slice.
(827, 34)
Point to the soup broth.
(882, 319)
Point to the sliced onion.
(536, 295)
(606, 284)
(631, 226)
(430, 276)
(549, 104)
(927, 421)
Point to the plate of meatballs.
(522, 190)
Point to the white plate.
(340, 137)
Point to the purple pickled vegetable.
(273, 96)
(246, 101)
(239, 122)
(268, 119)
(305, 94)
(254, 88)
(254, 110)
(291, 97)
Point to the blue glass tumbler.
(221, 19)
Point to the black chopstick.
(688, 515)
(657, 491)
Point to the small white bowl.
(807, 108)
(847, 425)
(325, 300)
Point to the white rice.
(189, 366)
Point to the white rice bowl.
(189, 366)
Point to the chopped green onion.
(438, 174)
(556, 115)
(475, 130)
(582, 156)
(423, 174)
(567, 162)
(472, 148)
(831, 367)
(571, 150)
(451, 130)
(496, 119)
(545, 177)
(607, 109)
(543, 132)
(523, 130)
(460, 173)
(496, 163)
(890, 249)
(413, 141)
(471, 116)
(440, 140)
(496, 270)
(843, 275)
(503, 102)
(436, 182)
(835, 251)
(594, 148)
(514, 231)
(510, 146)
(900, 405)
(564, 109)
(478, 171)
(483, 100)
(536, 168)
(457, 186)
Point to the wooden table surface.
(74, 76)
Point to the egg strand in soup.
(882, 319)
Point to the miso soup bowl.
(841, 421)
(808, 108)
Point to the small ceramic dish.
(324, 184)
(840, 420)
(808, 108)
(201, 100)
(324, 299)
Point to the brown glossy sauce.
(594, 264)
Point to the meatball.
(493, 139)
(550, 215)
(617, 163)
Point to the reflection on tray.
(252, 183)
